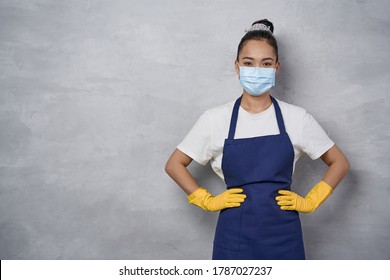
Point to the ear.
(277, 67)
(237, 68)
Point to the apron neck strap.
(279, 116)
(233, 120)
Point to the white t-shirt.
(205, 140)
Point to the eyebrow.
(251, 58)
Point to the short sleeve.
(315, 141)
(197, 144)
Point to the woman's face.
(257, 53)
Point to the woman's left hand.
(289, 200)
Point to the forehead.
(257, 49)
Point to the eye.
(248, 63)
(267, 64)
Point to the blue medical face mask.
(257, 80)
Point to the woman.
(253, 144)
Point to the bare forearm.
(335, 174)
(180, 174)
(338, 167)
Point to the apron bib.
(261, 166)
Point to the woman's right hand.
(176, 167)
(228, 199)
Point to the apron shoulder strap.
(279, 116)
(233, 120)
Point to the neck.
(255, 104)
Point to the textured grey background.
(95, 95)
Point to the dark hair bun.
(260, 30)
(265, 22)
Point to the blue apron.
(258, 229)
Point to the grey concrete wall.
(95, 95)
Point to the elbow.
(346, 166)
(171, 167)
(176, 162)
(168, 168)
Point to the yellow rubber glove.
(317, 195)
(229, 198)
